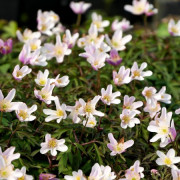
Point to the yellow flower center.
(44, 27)
(88, 108)
(5, 172)
(23, 114)
(167, 161)
(52, 143)
(4, 105)
(136, 73)
(33, 47)
(19, 73)
(59, 81)
(164, 130)
(119, 147)
(44, 94)
(96, 62)
(126, 119)
(107, 98)
(174, 29)
(139, 8)
(59, 113)
(58, 51)
(148, 93)
(115, 43)
(42, 81)
(98, 24)
(92, 123)
(78, 178)
(21, 178)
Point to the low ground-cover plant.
(99, 104)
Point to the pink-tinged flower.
(44, 176)
(177, 111)
(74, 112)
(45, 94)
(108, 97)
(61, 82)
(34, 44)
(118, 148)
(53, 145)
(5, 103)
(114, 58)
(24, 175)
(98, 22)
(175, 174)
(137, 168)
(168, 159)
(107, 174)
(118, 42)
(150, 94)
(89, 108)
(18, 73)
(138, 7)
(6, 46)
(59, 50)
(154, 171)
(69, 39)
(23, 113)
(27, 35)
(75, 176)
(90, 122)
(152, 109)
(150, 10)
(96, 172)
(59, 28)
(26, 56)
(124, 25)
(128, 119)
(129, 104)
(8, 155)
(131, 175)
(163, 97)
(138, 73)
(80, 7)
(174, 28)
(122, 77)
(58, 114)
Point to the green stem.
(78, 22)
(1, 117)
(145, 23)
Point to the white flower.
(23, 113)
(174, 29)
(92, 37)
(45, 94)
(69, 39)
(122, 77)
(175, 174)
(108, 97)
(138, 7)
(8, 155)
(24, 175)
(79, 7)
(138, 73)
(177, 111)
(59, 50)
(152, 109)
(75, 176)
(124, 25)
(150, 94)
(106, 173)
(169, 159)
(118, 148)
(89, 107)
(39, 61)
(100, 24)
(162, 96)
(5, 103)
(27, 35)
(90, 122)
(53, 145)
(18, 73)
(131, 105)
(74, 112)
(42, 78)
(118, 42)
(96, 172)
(136, 166)
(34, 44)
(61, 82)
(150, 10)
(58, 114)
(128, 119)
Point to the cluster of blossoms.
(7, 170)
